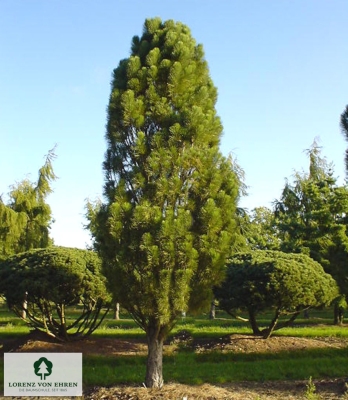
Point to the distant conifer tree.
(25, 220)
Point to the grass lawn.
(215, 367)
(183, 364)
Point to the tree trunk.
(266, 333)
(63, 334)
(338, 314)
(25, 306)
(287, 323)
(117, 311)
(212, 310)
(253, 323)
(154, 372)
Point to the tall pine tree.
(168, 223)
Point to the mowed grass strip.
(189, 367)
(217, 367)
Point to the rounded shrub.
(39, 284)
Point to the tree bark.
(212, 310)
(338, 314)
(117, 311)
(287, 323)
(25, 306)
(266, 333)
(253, 323)
(154, 369)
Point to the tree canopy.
(311, 217)
(344, 129)
(260, 229)
(262, 279)
(46, 281)
(26, 218)
(168, 222)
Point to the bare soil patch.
(39, 342)
(327, 389)
(282, 390)
(252, 344)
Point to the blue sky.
(280, 67)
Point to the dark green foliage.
(344, 129)
(168, 223)
(26, 219)
(262, 280)
(169, 220)
(50, 280)
(312, 218)
(260, 229)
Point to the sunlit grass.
(318, 325)
(186, 366)
(217, 367)
(196, 328)
(11, 329)
(315, 331)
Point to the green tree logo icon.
(43, 367)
